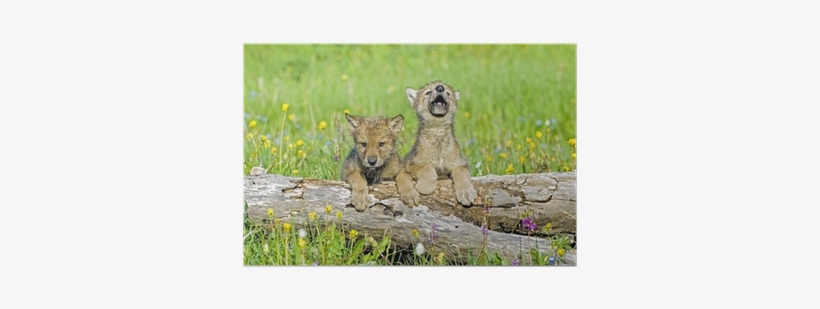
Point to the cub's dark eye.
(364, 144)
(428, 92)
(381, 144)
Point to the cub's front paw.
(466, 196)
(359, 200)
(410, 198)
(426, 187)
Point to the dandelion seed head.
(302, 233)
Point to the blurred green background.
(517, 111)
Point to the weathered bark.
(550, 197)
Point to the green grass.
(516, 111)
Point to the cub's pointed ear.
(411, 96)
(456, 95)
(396, 123)
(352, 121)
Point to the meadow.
(516, 114)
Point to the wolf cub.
(436, 154)
(374, 157)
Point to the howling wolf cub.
(435, 154)
(374, 157)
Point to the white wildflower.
(419, 249)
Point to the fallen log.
(549, 197)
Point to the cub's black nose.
(371, 161)
(440, 88)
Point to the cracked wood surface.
(551, 197)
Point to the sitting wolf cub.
(435, 154)
(374, 157)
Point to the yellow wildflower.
(339, 215)
(347, 111)
(273, 150)
(466, 114)
(302, 243)
(322, 125)
(548, 226)
(571, 142)
(489, 159)
(249, 136)
(312, 215)
(270, 212)
(295, 172)
(285, 107)
(328, 209)
(538, 134)
(263, 138)
(291, 116)
(510, 169)
(522, 159)
(252, 124)
(344, 76)
(353, 234)
(574, 156)
(286, 226)
(440, 258)
(560, 252)
(532, 145)
(415, 233)
(300, 153)
(502, 155)
(566, 168)
(299, 143)
(266, 143)
(518, 146)
(529, 139)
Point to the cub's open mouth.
(439, 101)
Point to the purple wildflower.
(484, 230)
(487, 209)
(435, 226)
(529, 224)
(551, 261)
(335, 158)
(515, 262)
(316, 263)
